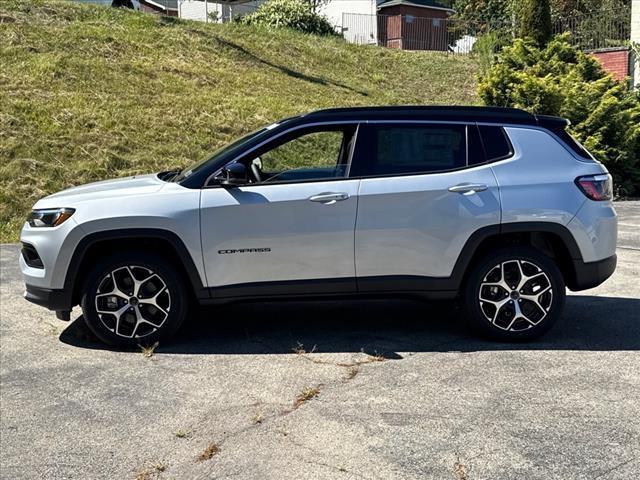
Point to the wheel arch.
(164, 242)
(552, 239)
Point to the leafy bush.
(488, 46)
(561, 80)
(535, 20)
(295, 14)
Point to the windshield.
(187, 172)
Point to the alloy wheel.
(133, 301)
(515, 295)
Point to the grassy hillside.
(89, 92)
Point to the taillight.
(596, 187)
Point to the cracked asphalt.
(398, 389)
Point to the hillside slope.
(90, 92)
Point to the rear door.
(425, 189)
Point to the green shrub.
(535, 20)
(561, 80)
(488, 46)
(295, 14)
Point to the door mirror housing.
(233, 175)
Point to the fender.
(134, 233)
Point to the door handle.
(329, 198)
(468, 188)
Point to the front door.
(290, 229)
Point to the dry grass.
(89, 92)
(258, 418)
(460, 471)
(151, 472)
(209, 452)
(181, 434)
(149, 351)
(305, 395)
(352, 371)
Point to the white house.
(208, 11)
(355, 18)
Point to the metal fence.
(608, 28)
(602, 29)
(412, 33)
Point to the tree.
(562, 80)
(483, 11)
(535, 21)
(570, 8)
(316, 5)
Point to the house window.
(410, 18)
(435, 22)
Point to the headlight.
(50, 217)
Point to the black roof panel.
(452, 113)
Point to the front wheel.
(134, 298)
(515, 294)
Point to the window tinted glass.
(495, 141)
(414, 149)
(475, 149)
(572, 143)
(311, 156)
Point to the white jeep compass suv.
(497, 206)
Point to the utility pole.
(635, 40)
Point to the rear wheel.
(133, 299)
(515, 293)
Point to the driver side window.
(310, 156)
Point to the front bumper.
(57, 300)
(591, 274)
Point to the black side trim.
(592, 274)
(286, 288)
(58, 300)
(407, 283)
(128, 233)
(549, 227)
(268, 295)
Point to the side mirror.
(233, 175)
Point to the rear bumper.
(591, 274)
(57, 300)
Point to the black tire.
(168, 311)
(502, 323)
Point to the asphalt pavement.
(377, 389)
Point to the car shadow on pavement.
(383, 327)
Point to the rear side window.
(405, 149)
(572, 143)
(496, 143)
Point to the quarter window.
(396, 150)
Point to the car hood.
(136, 185)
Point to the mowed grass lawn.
(90, 92)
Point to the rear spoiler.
(552, 123)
